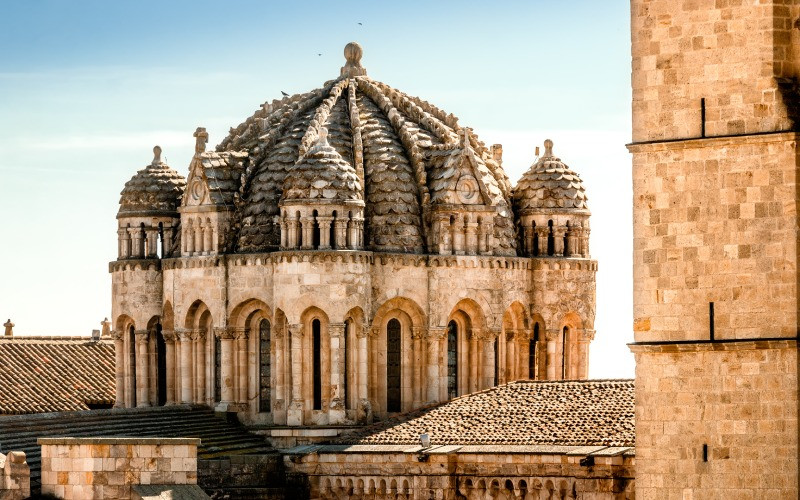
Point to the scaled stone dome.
(154, 190)
(400, 147)
(550, 184)
(322, 174)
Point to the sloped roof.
(550, 184)
(566, 413)
(222, 171)
(156, 188)
(48, 374)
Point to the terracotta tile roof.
(569, 413)
(47, 374)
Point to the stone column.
(136, 242)
(152, 242)
(293, 233)
(485, 235)
(307, 226)
(585, 242)
(572, 242)
(364, 406)
(124, 243)
(142, 369)
(472, 381)
(208, 238)
(226, 367)
(241, 335)
(527, 239)
(417, 364)
(552, 365)
(542, 233)
(188, 238)
(324, 232)
(185, 337)
(435, 336)
(119, 368)
(340, 232)
(198, 238)
(166, 240)
(489, 359)
(583, 346)
(294, 414)
(359, 233)
(558, 240)
(279, 357)
(336, 408)
(471, 234)
(458, 235)
(169, 352)
(200, 364)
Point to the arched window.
(264, 403)
(299, 230)
(551, 242)
(564, 353)
(316, 340)
(217, 369)
(532, 352)
(452, 360)
(535, 241)
(496, 362)
(393, 373)
(346, 375)
(161, 367)
(132, 363)
(332, 236)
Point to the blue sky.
(88, 88)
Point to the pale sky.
(87, 88)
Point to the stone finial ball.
(353, 52)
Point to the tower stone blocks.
(715, 247)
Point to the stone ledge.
(707, 345)
(120, 440)
(704, 142)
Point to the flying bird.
(319, 54)
(360, 24)
(284, 94)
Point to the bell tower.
(715, 162)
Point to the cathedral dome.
(154, 190)
(322, 175)
(401, 149)
(550, 184)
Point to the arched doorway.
(393, 366)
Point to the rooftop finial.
(157, 155)
(548, 147)
(322, 140)
(201, 137)
(352, 66)
(9, 328)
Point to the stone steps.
(219, 437)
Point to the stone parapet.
(110, 467)
(15, 476)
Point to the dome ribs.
(408, 140)
(420, 115)
(280, 118)
(392, 203)
(320, 117)
(355, 125)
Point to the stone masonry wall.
(15, 476)
(77, 468)
(472, 475)
(740, 399)
(726, 51)
(715, 221)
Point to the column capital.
(363, 331)
(295, 329)
(522, 334)
(587, 335)
(224, 332)
(241, 333)
(418, 332)
(542, 231)
(169, 335)
(117, 335)
(436, 332)
(183, 334)
(491, 333)
(551, 334)
(336, 329)
(142, 335)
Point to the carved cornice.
(563, 263)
